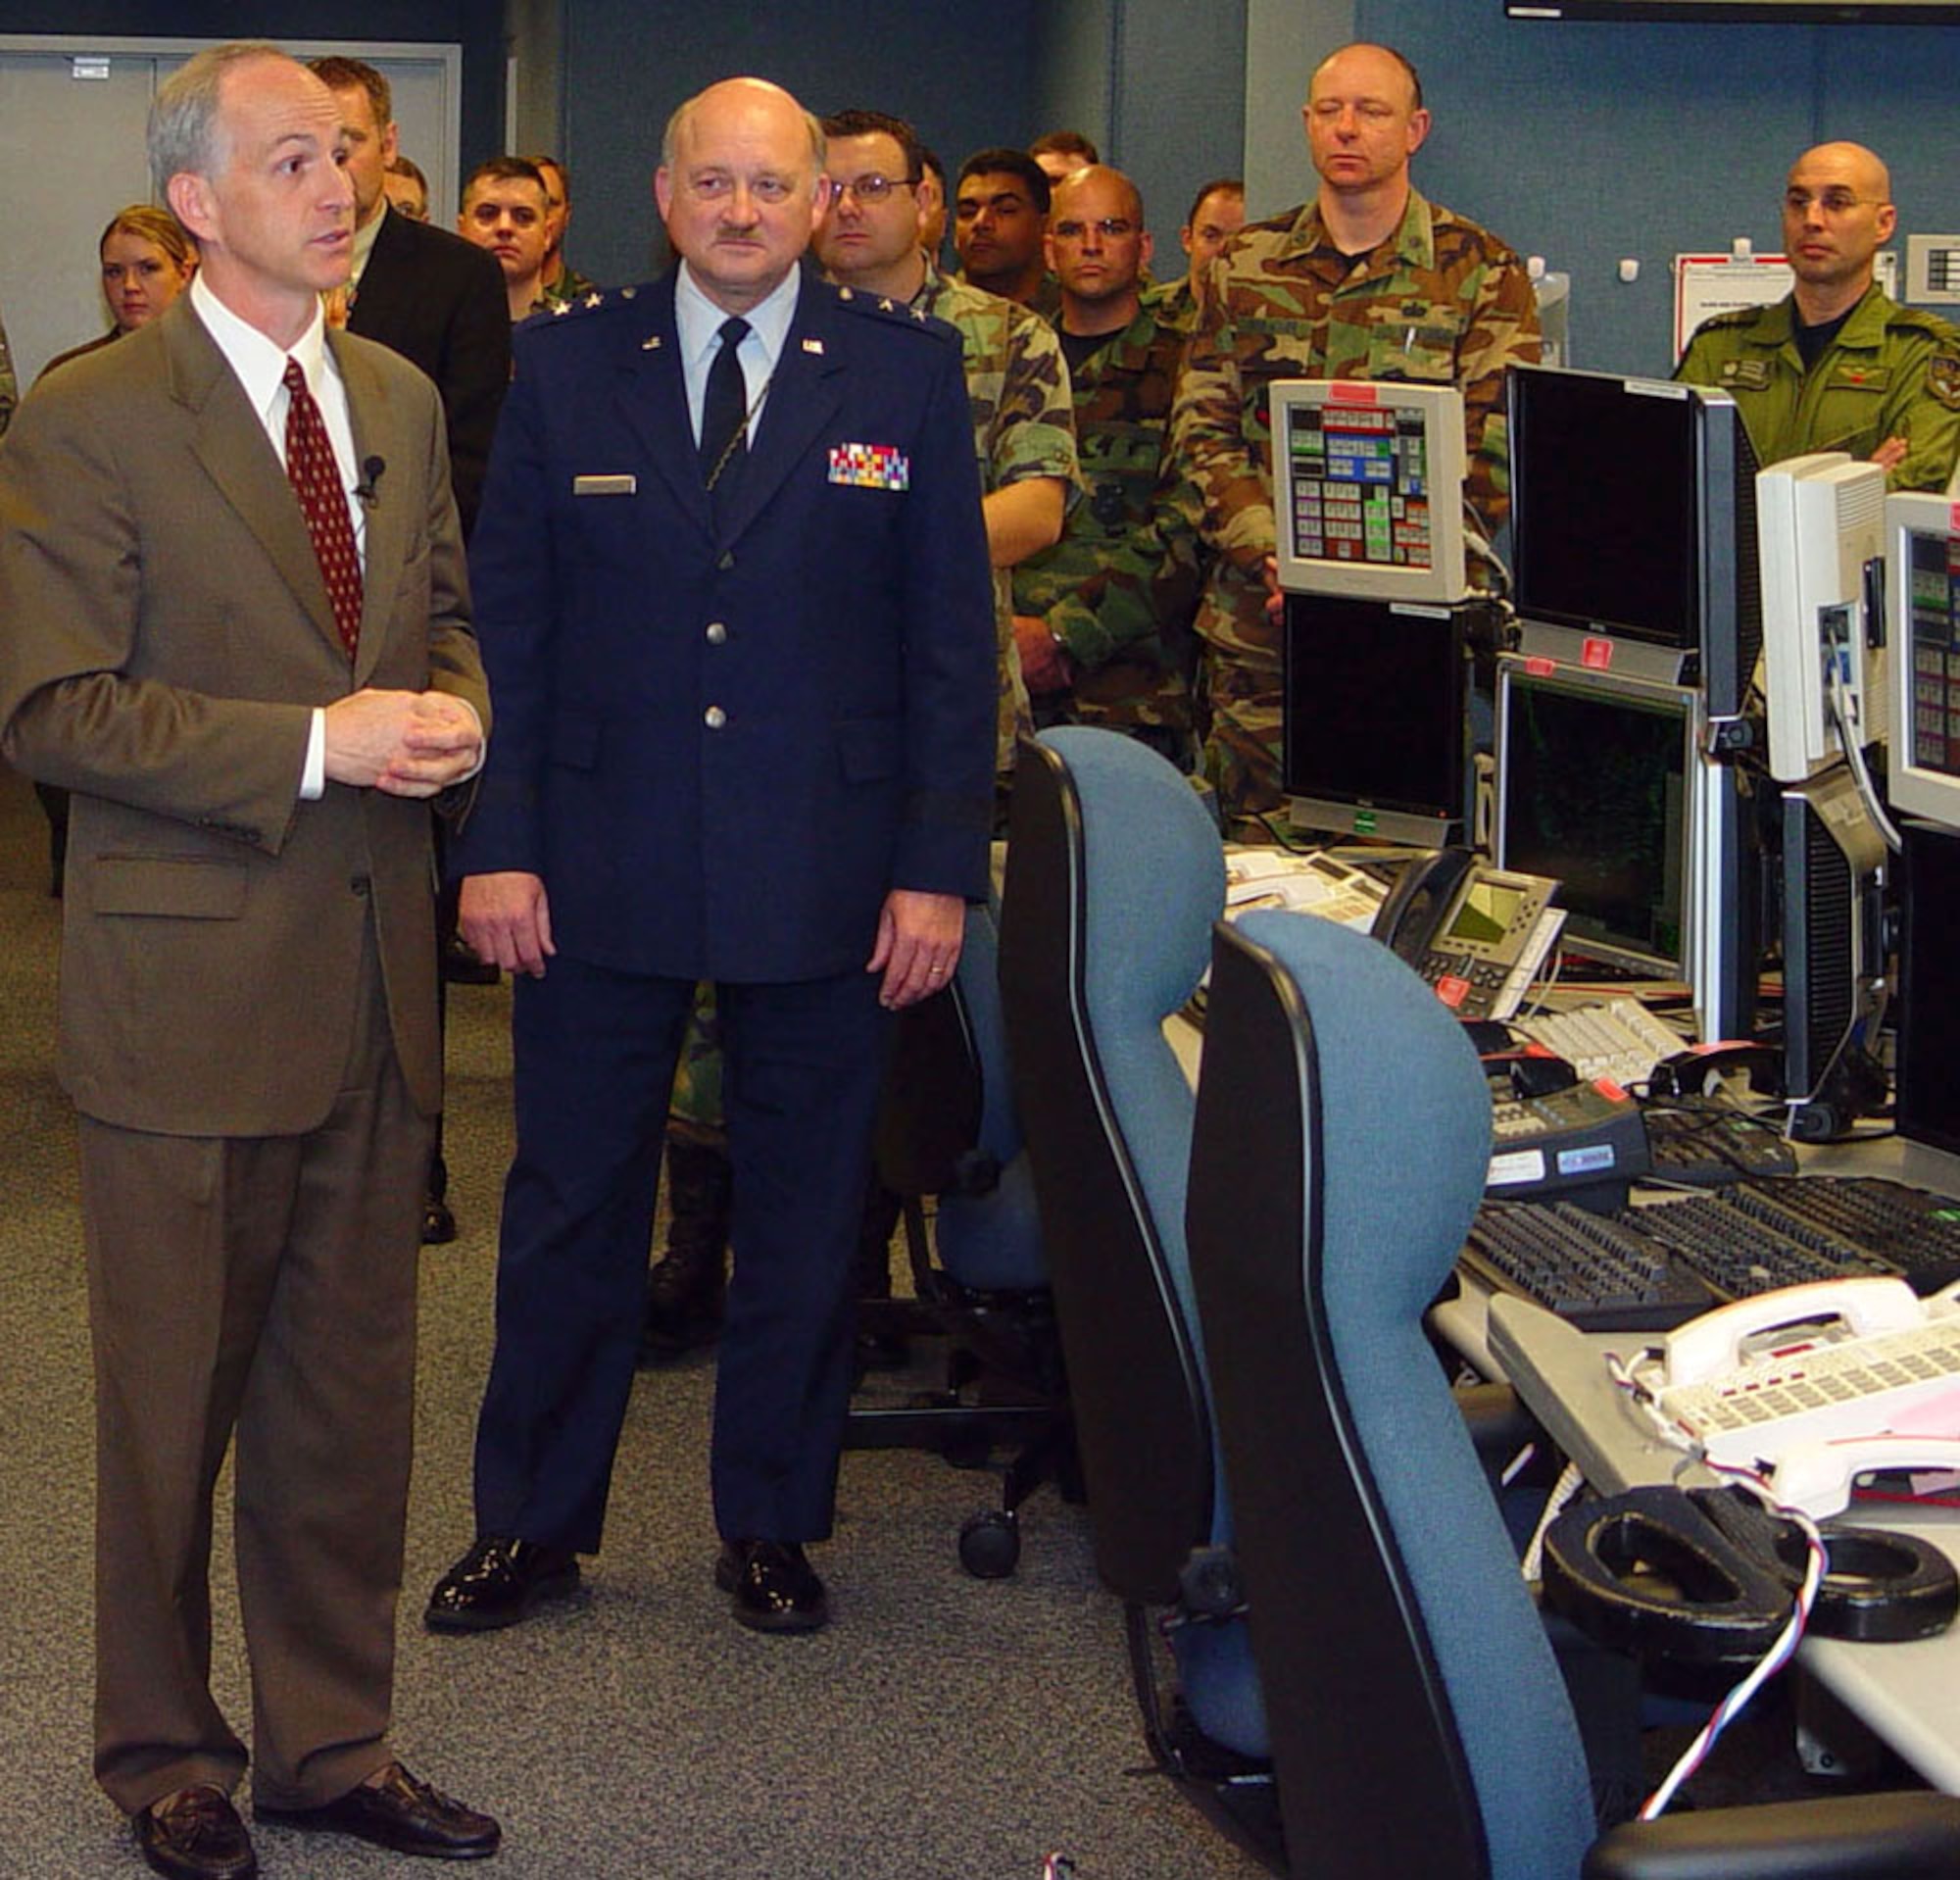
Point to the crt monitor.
(1632, 517)
(1368, 489)
(1375, 699)
(1820, 522)
(1922, 601)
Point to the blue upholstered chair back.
(1419, 1721)
(1114, 876)
(991, 1242)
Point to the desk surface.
(1909, 1694)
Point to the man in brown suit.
(252, 685)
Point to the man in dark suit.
(734, 595)
(253, 668)
(422, 292)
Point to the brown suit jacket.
(165, 633)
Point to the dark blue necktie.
(724, 417)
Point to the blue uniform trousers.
(595, 1055)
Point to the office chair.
(946, 1128)
(1114, 876)
(1419, 1723)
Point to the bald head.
(1862, 169)
(1837, 213)
(753, 99)
(1101, 182)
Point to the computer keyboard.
(1650, 1269)
(1600, 1272)
(1742, 1251)
(1911, 1230)
(1617, 1038)
(1705, 1142)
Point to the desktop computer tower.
(1927, 1013)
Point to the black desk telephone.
(1477, 934)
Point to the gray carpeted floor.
(941, 1728)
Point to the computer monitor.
(1927, 1012)
(1376, 694)
(1368, 489)
(1923, 602)
(1633, 519)
(1819, 525)
(1601, 784)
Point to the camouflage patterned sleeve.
(1033, 433)
(1219, 482)
(1926, 412)
(1503, 330)
(1137, 586)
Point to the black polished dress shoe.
(195, 1834)
(499, 1582)
(438, 1222)
(402, 1812)
(771, 1585)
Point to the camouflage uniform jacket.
(1023, 426)
(1891, 371)
(569, 287)
(1442, 301)
(1117, 590)
(10, 390)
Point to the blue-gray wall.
(965, 84)
(1585, 143)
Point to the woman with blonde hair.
(147, 262)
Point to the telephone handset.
(1477, 934)
(1818, 1384)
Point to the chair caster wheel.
(989, 1544)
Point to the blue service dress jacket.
(719, 745)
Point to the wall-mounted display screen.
(1809, 13)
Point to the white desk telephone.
(1817, 1384)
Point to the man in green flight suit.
(1837, 365)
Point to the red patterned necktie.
(316, 480)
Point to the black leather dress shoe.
(196, 1834)
(499, 1582)
(402, 1812)
(438, 1222)
(771, 1585)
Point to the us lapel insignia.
(651, 344)
(870, 466)
(814, 346)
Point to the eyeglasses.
(871, 189)
(1831, 202)
(1110, 228)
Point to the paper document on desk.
(1316, 884)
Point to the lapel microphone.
(367, 489)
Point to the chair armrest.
(1914, 1836)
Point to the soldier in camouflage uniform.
(1369, 280)
(1835, 365)
(1218, 213)
(1103, 617)
(560, 283)
(999, 216)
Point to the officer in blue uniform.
(733, 595)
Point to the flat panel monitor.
(1368, 489)
(1593, 789)
(1632, 517)
(1923, 599)
(1375, 699)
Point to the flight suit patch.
(1746, 374)
(1942, 379)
